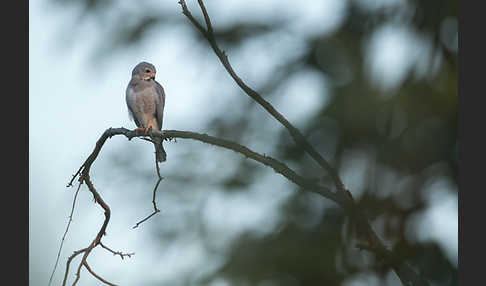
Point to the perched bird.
(146, 100)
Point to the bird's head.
(144, 70)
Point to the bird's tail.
(160, 152)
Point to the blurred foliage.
(407, 135)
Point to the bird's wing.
(131, 102)
(160, 103)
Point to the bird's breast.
(145, 100)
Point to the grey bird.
(145, 101)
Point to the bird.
(145, 99)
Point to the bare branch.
(343, 196)
(294, 132)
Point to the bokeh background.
(371, 84)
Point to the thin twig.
(156, 210)
(122, 255)
(145, 219)
(65, 232)
(157, 184)
(70, 184)
(206, 17)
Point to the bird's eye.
(147, 70)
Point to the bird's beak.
(152, 76)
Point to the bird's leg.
(148, 130)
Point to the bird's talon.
(138, 130)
